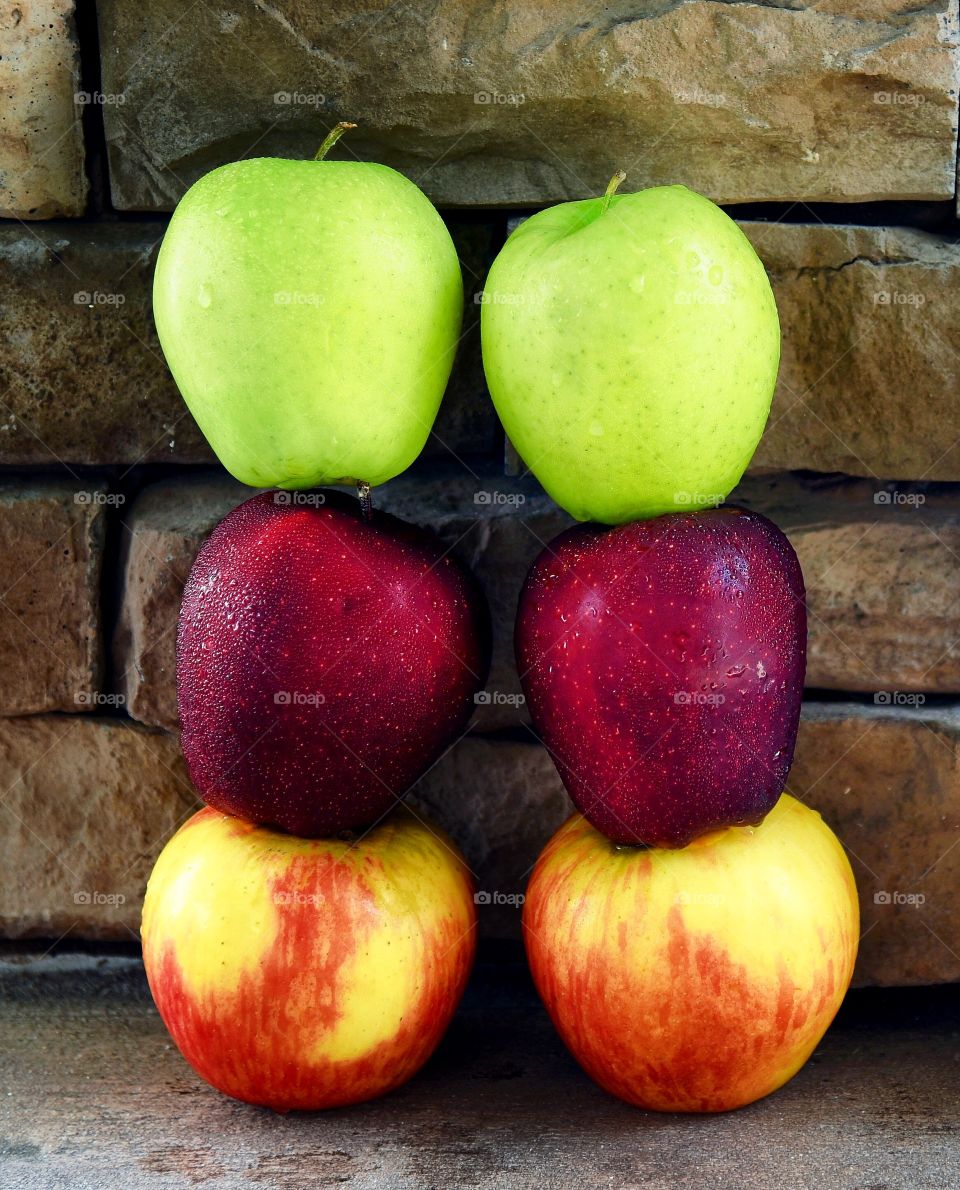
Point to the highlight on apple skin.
(307, 974)
(663, 664)
(694, 980)
(631, 346)
(309, 312)
(324, 661)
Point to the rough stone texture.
(41, 137)
(887, 780)
(85, 805)
(870, 367)
(82, 376)
(526, 104)
(870, 360)
(97, 1098)
(496, 537)
(501, 802)
(882, 570)
(51, 556)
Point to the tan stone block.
(870, 366)
(886, 780)
(51, 556)
(84, 376)
(41, 136)
(882, 570)
(86, 805)
(529, 104)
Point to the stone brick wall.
(830, 130)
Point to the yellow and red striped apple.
(697, 979)
(307, 973)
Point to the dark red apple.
(324, 661)
(663, 666)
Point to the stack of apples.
(692, 931)
(307, 938)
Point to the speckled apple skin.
(663, 665)
(631, 354)
(309, 312)
(323, 662)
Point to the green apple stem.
(611, 189)
(332, 137)
(366, 500)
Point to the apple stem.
(331, 139)
(611, 189)
(366, 500)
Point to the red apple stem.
(611, 189)
(366, 500)
(331, 139)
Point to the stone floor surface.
(93, 1096)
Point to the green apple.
(631, 346)
(309, 312)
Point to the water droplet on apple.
(205, 296)
(715, 275)
(735, 671)
(596, 429)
